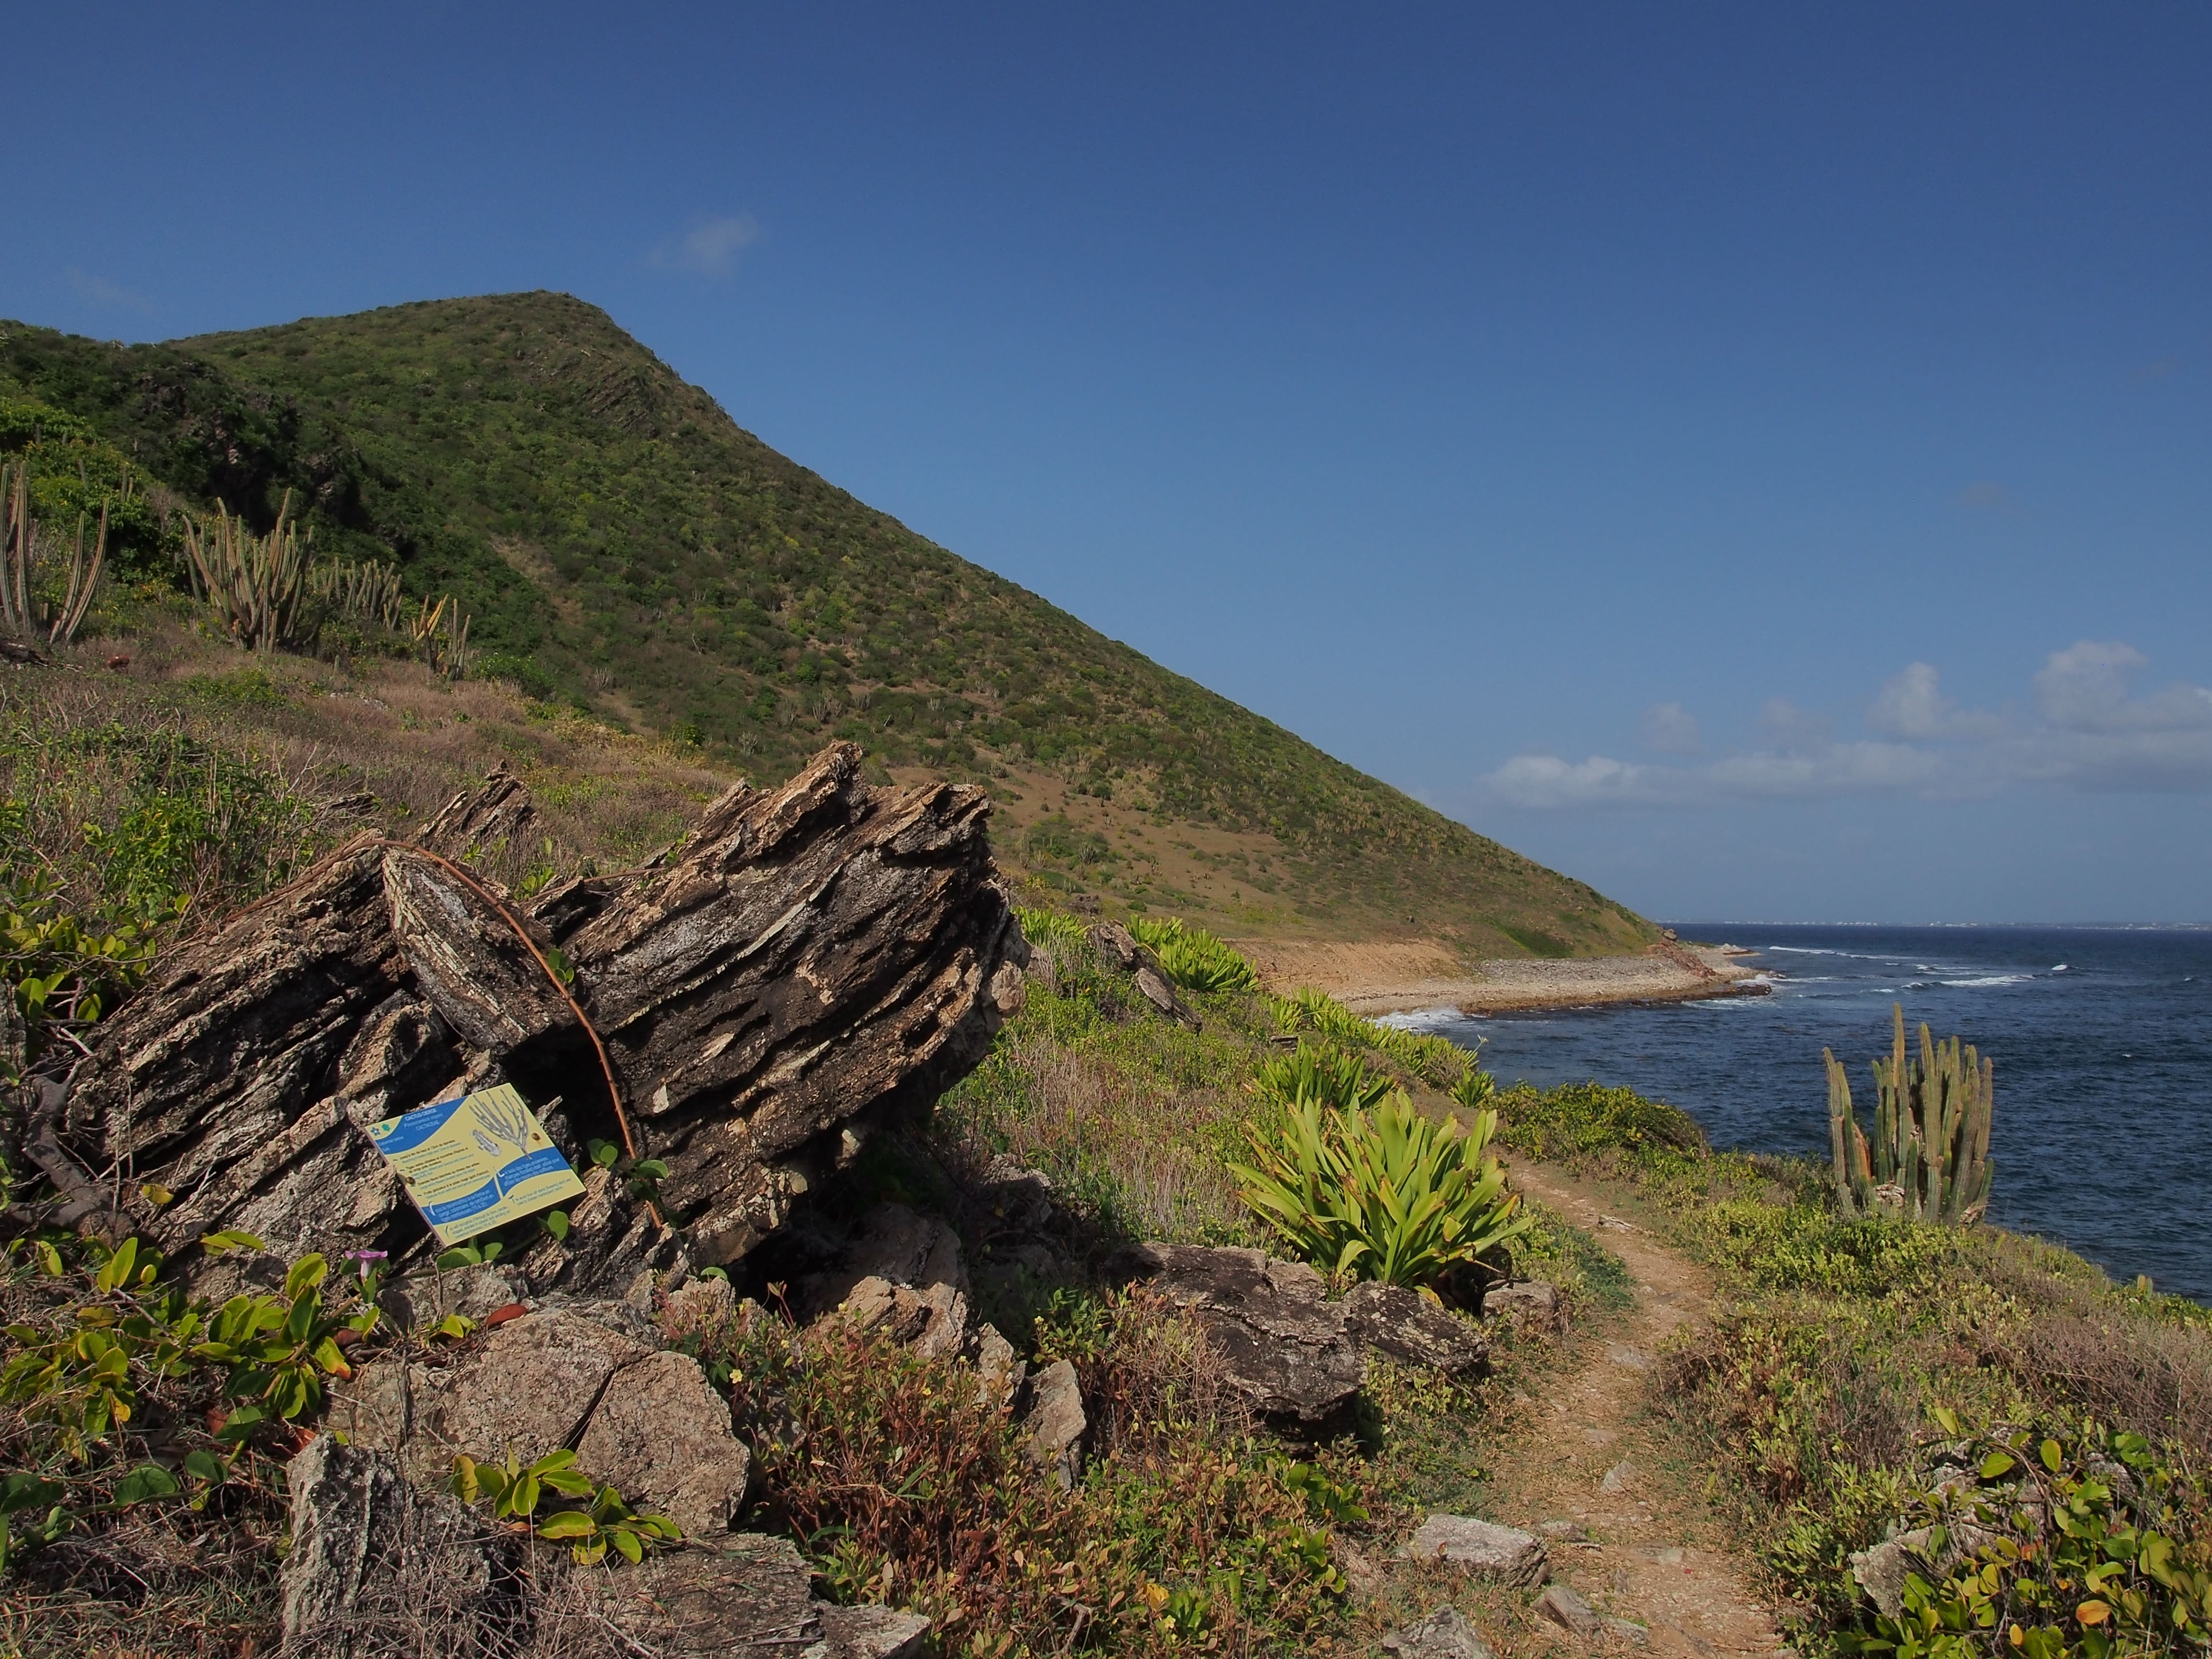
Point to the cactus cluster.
(259, 583)
(272, 594)
(1929, 1157)
(24, 608)
(366, 592)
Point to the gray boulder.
(646, 1421)
(1000, 1370)
(1524, 1305)
(661, 1435)
(1444, 1634)
(1482, 1549)
(1560, 1605)
(1120, 945)
(1055, 1424)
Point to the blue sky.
(1757, 458)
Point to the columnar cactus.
(1929, 1157)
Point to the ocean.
(2101, 1036)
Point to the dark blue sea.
(2102, 1039)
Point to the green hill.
(622, 544)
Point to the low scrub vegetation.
(1863, 1372)
(1866, 1374)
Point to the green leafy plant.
(640, 1177)
(1193, 957)
(1051, 927)
(1320, 1076)
(280, 1347)
(1436, 1061)
(81, 1376)
(474, 1254)
(1385, 1194)
(527, 1494)
(24, 1529)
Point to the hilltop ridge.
(624, 546)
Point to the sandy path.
(1655, 1554)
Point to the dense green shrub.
(1802, 1247)
(109, 836)
(1578, 1118)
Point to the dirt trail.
(1594, 1453)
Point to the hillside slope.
(623, 545)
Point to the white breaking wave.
(1989, 979)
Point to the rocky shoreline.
(1416, 976)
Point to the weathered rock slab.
(1282, 1341)
(1408, 1327)
(746, 1596)
(373, 1559)
(1483, 1549)
(812, 961)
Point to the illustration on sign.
(476, 1163)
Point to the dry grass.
(1086, 1111)
(386, 740)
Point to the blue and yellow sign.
(476, 1163)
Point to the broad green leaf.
(307, 1273)
(147, 1480)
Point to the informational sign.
(476, 1163)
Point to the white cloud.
(711, 246)
(1912, 704)
(2091, 735)
(1792, 729)
(2084, 688)
(1671, 729)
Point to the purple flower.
(365, 1257)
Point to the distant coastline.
(1419, 976)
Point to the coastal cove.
(2102, 1039)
